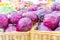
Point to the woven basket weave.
(14, 36)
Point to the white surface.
(5, 0)
(36, 1)
(58, 1)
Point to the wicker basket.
(55, 35)
(44, 35)
(14, 36)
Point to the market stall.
(29, 20)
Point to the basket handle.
(34, 27)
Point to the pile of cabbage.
(18, 21)
(22, 21)
(50, 21)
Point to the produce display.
(57, 29)
(31, 15)
(3, 21)
(24, 24)
(41, 27)
(15, 17)
(48, 19)
(10, 28)
(51, 21)
(41, 13)
(56, 7)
